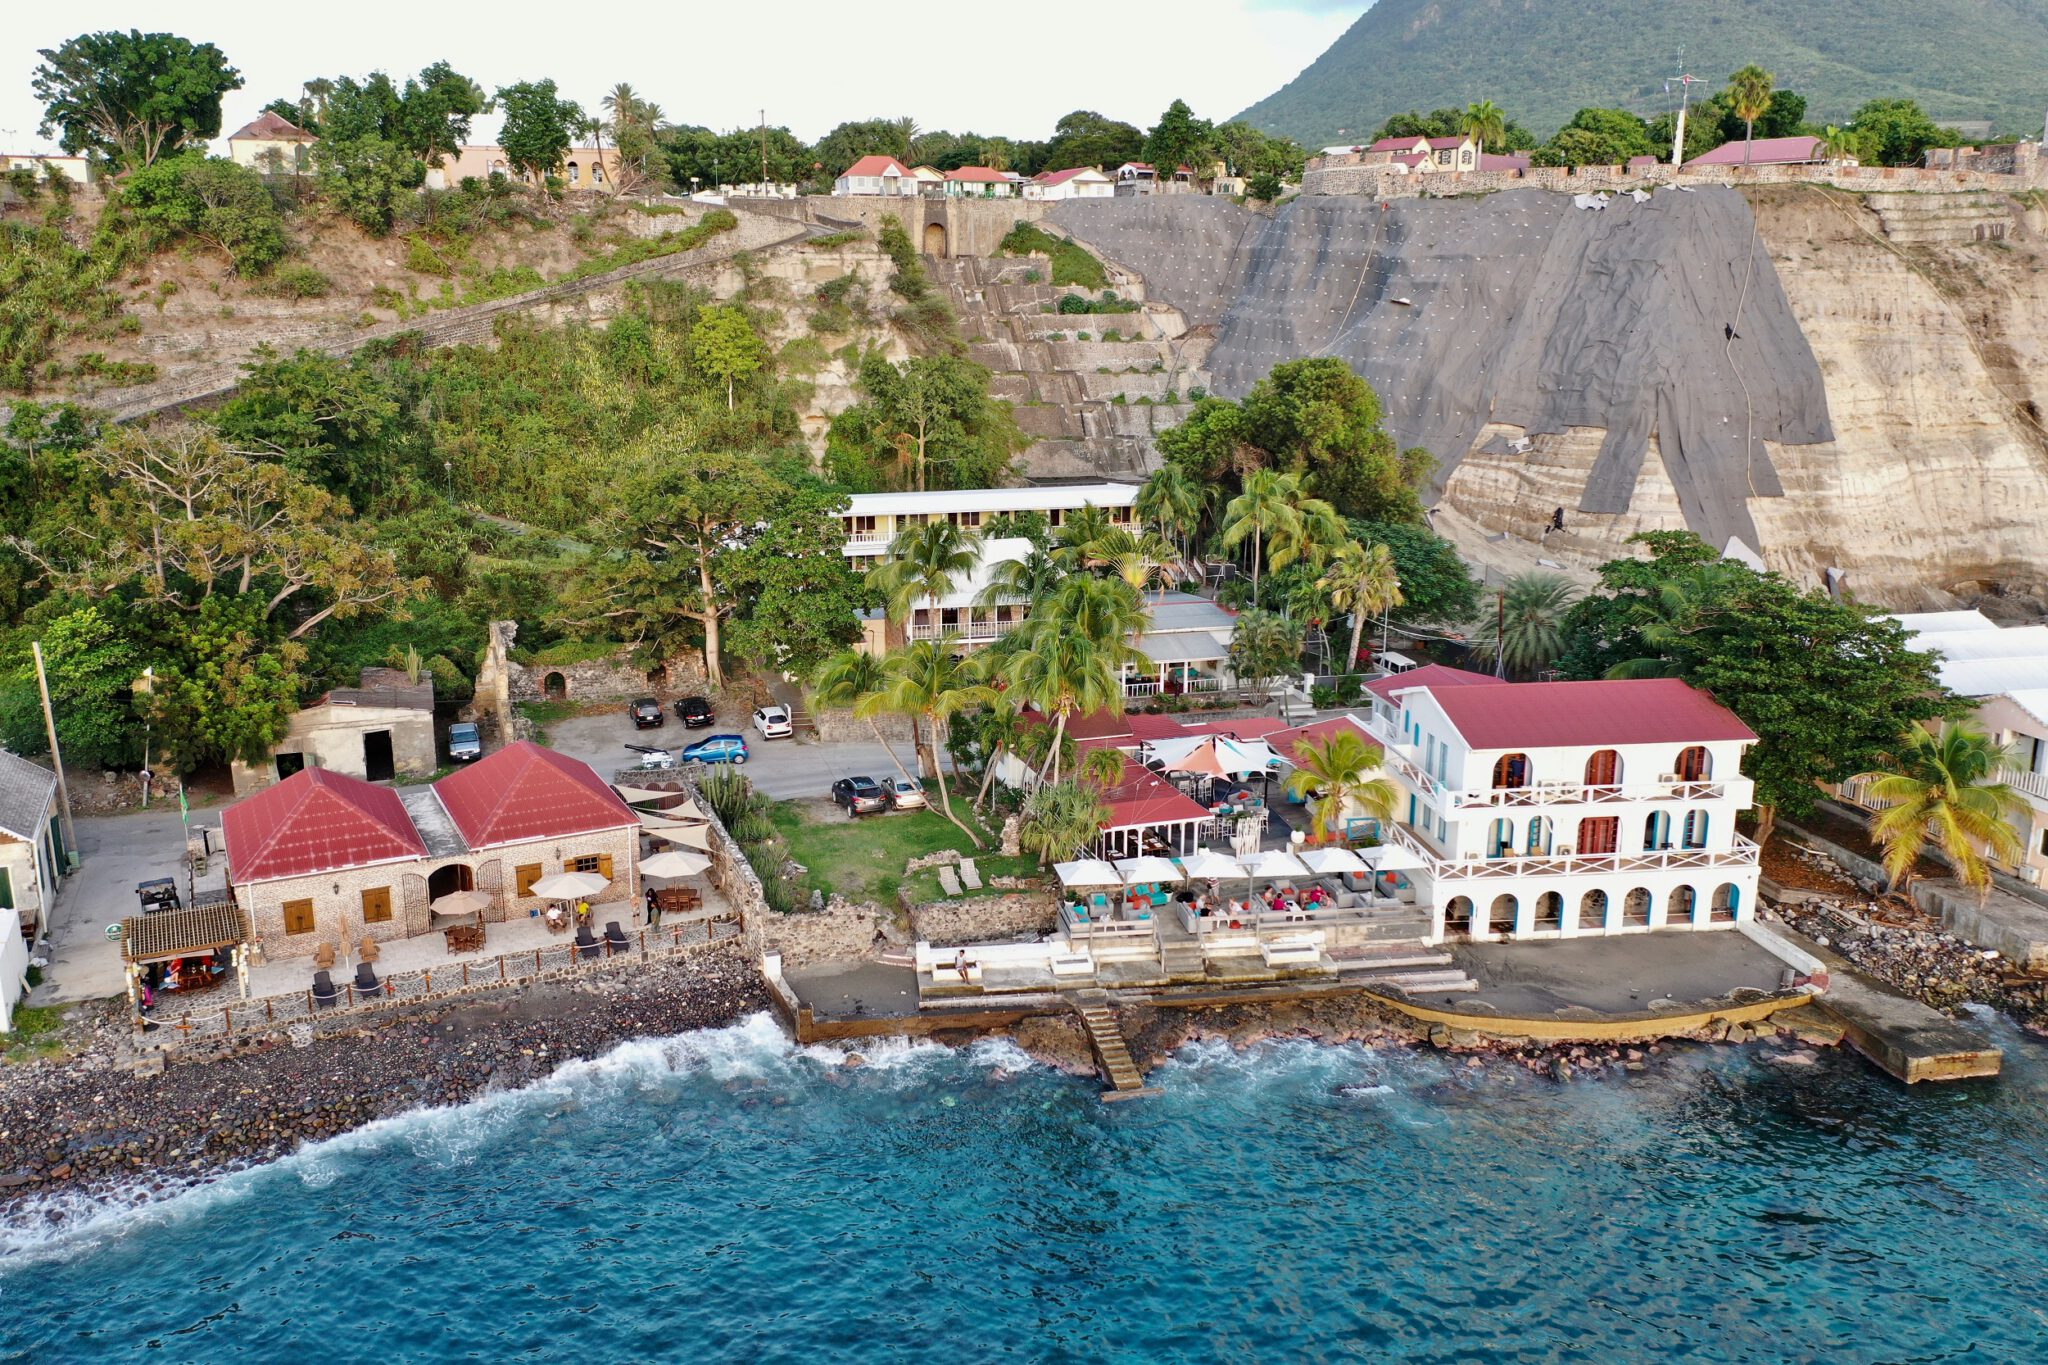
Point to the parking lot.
(781, 768)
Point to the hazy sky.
(964, 65)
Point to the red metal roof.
(271, 128)
(877, 166)
(316, 820)
(1429, 675)
(1623, 711)
(1765, 151)
(1287, 742)
(1140, 798)
(1388, 144)
(524, 792)
(980, 175)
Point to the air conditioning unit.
(1564, 850)
(2030, 875)
(1667, 777)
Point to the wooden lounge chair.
(368, 952)
(325, 992)
(366, 979)
(949, 883)
(323, 957)
(970, 875)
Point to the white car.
(773, 722)
(905, 794)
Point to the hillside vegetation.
(1543, 61)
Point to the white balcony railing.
(1582, 794)
(867, 542)
(970, 632)
(1741, 853)
(1150, 687)
(2020, 780)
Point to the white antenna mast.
(1685, 85)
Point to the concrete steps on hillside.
(1926, 218)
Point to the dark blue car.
(717, 749)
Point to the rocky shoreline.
(83, 1122)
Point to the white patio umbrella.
(1147, 869)
(1273, 864)
(1087, 872)
(460, 903)
(1393, 858)
(1206, 866)
(1326, 861)
(569, 886)
(671, 864)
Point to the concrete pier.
(1906, 1039)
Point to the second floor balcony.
(1566, 861)
(980, 631)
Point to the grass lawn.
(33, 1025)
(863, 859)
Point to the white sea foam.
(755, 1050)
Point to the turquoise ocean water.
(724, 1196)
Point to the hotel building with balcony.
(1566, 809)
(873, 519)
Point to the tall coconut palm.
(1139, 558)
(1065, 675)
(1106, 611)
(1527, 630)
(848, 679)
(1340, 775)
(1749, 93)
(1082, 528)
(1174, 500)
(1021, 580)
(1945, 788)
(1484, 122)
(925, 564)
(1835, 142)
(1264, 509)
(1361, 580)
(1312, 535)
(1001, 728)
(1060, 820)
(927, 680)
(1102, 767)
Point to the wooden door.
(298, 917)
(377, 905)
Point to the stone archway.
(935, 239)
(555, 686)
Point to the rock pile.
(87, 1120)
(1918, 958)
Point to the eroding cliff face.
(1878, 411)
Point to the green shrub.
(837, 239)
(1071, 263)
(420, 255)
(295, 281)
(210, 200)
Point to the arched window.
(1679, 910)
(575, 173)
(1726, 905)
(1511, 770)
(597, 172)
(1549, 912)
(1603, 769)
(1501, 919)
(1695, 835)
(1500, 839)
(1592, 911)
(1657, 831)
(1694, 764)
(1635, 909)
(1458, 915)
(1538, 844)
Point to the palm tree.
(1835, 142)
(1265, 508)
(1021, 580)
(1061, 819)
(1315, 532)
(848, 679)
(1174, 501)
(925, 563)
(1082, 528)
(927, 680)
(1528, 631)
(622, 102)
(1139, 558)
(1361, 580)
(1105, 611)
(1676, 605)
(1064, 675)
(1001, 728)
(1749, 92)
(1340, 774)
(1945, 788)
(1103, 767)
(1484, 122)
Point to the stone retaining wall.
(984, 919)
(1341, 176)
(841, 932)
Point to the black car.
(646, 713)
(695, 713)
(860, 795)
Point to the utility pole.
(1500, 635)
(764, 151)
(1685, 85)
(56, 755)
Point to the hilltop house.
(1081, 182)
(379, 731)
(980, 181)
(1567, 809)
(883, 175)
(1424, 153)
(272, 144)
(1140, 177)
(582, 168)
(324, 857)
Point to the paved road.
(781, 768)
(116, 852)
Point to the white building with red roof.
(980, 182)
(1566, 809)
(324, 857)
(271, 143)
(1078, 182)
(877, 175)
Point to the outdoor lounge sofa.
(366, 979)
(325, 992)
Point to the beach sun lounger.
(325, 992)
(949, 883)
(586, 945)
(366, 979)
(614, 936)
(970, 875)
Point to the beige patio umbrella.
(569, 886)
(669, 865)
(457, 903)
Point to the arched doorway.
(1500, 838)
(1501, 918)
(1592, 911)
(1549, 912)
(446, 881)
(1603, 769)
(1678, 910)
(1458, 915)
(1538, 845)
(1694, 764)
(1635, 909)
(1657, 831)
(1510, 771)
(934, 239)
(1726, 903)
(554, 687)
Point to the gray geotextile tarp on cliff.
(1517, 308)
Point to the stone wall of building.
(984, 919)
(840, 932)
(612, 678)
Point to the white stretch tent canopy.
(1325, 861)
(1147, 869)
(1087, 872)
(1213, 755)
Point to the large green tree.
(228, 687)
(539, 127)
(1086, 138)
(1437, 585)
(1316, 417)
(132, 97)
(726, 347)
(926, 423)
(1180, 139)
(93, 664)
(212, 201)
(1897, 132)
(1597, 137)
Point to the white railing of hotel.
(1095, 927)
(971, 632)
(1150, 687)
(1403, 757)
(2020, 780)
(1742, 853)
(1584, 794)
(1223, 922)
(868, 540)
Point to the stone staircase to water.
(1111, 1051)
(1394, 956)
(1093, 405)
